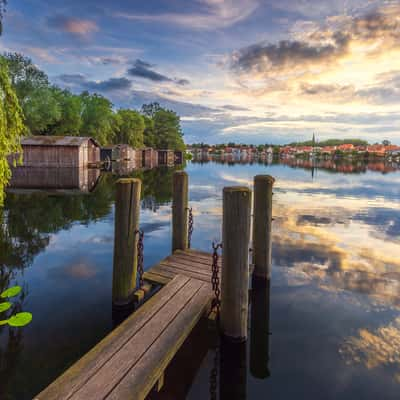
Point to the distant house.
(59, 151)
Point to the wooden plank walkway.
(132, 358)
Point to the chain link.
(190, 230)
(215, 278)
(140, 256)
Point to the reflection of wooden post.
(262, 225)
(259, 330)
(235, 262)
(127, 211)
(233, 367)
(180, 211)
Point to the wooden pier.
(131, 361)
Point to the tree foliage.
(49, 110)
(11, 126)
(129, 128)
(167, 130)
(97, 118)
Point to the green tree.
(129, 128)
(11, 126)
(150, 110)
(25, 76)
(149, 134)
(167, 130)
(97, 118)
(36, 97)
(42, 111)
(70, 121)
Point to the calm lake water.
(329, 327)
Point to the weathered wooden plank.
(191, 256)
(177, 271)
(164, 272)
(76, 376)
(113, 371)
(152, 277)
(187, 267)
(193, 252)
(192, 260)
(140, 379)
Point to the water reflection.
(233, 370)
(260, 329)
(335, 280)
(68, 180)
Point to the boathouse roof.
(73, 141)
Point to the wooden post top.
(267, 178)
(233, 189)
(180, 173)
(124, 181)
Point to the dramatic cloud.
(81, 82)
(213, 14)
(80, 27)
(261, 58)
(143, 69)
(322, 46)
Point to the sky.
(252, 71)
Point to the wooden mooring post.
(127, 211)
(235, 262)
(262, 222)
(180, 202)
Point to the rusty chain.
(190, 230)
(215, 278)
(140, 256)
(216, 303)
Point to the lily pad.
(11, 292)
(5, 306)
(20, 319)
(4, 322)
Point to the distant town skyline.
(252, 71)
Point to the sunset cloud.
(213, 14)
(145, 70)
(245, 71)
(80, 27)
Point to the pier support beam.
(235, 262)
(127, 211)
(262, 222)
(180, 202)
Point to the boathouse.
(118, 152)
(60, 151)
(166, 157)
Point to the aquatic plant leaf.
(20, 319)
(5, 306)
(11, 292)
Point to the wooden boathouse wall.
(59, 151)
